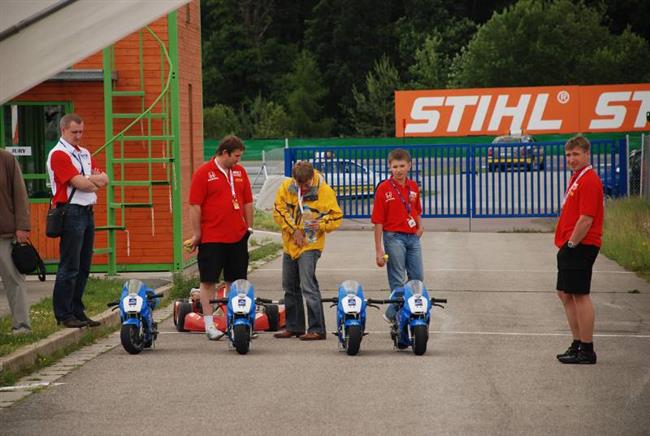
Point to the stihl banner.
(535, 110)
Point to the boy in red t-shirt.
(396, 214)
(578, 236)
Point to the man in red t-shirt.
(396, 214)
(221, 214)
(578, 236)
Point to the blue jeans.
(404, 262)
(76, 252)
(298, 280)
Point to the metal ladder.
(125, 152)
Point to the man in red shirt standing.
(578, 236)
(75, 182)
(396, 214)
(221, 214)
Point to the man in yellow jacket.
(305, 208)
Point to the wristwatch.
(570, 244)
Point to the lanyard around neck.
(406, 204)
(73, 151)
(229, 178)
(575, 183)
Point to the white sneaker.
(213, 333)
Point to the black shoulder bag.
(27, 259)
(56, 218)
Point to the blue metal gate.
(465, 180)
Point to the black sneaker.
(571, 351)
(581, 357)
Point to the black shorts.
(574, 267)
(232, 258)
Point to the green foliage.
(308, 62)
(626, 234)
(557, 42)
(372, 114)
(220, 120)
(304, 98)
(265, 119)
(429, 70)
(264, 220)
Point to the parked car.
(528, 155)
(347, 177)
(610, 186)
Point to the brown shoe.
(312, 336)
(286, 334)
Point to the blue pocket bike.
(350, 316)
(136, 305)
(240, 314)
(411, 325)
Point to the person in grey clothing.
(14, 225)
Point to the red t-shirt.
(389, 209)
(210, 189)
(585, 198)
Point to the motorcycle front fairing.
(241, 304)
(351, 308)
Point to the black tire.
(273, 314)
(177, 304)
(131, 338)
(241, 338)
(183, 309)
(353, 340)
(420, 338)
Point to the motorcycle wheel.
(273, 314)
(420, 338)
(183, 309)
(131, 338)
(353, 340)
(241, 338)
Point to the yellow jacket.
(320, 200)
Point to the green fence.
(254, 147)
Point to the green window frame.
(31, 130)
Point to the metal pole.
(641, 166)
(627, 154)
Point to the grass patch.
(8, 378)
(626, 234)
(98, 293)
(265, 252)
(264, 220)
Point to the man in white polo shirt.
(73, 180)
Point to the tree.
(346, 37)
(265, 119)
(537, 42)
(429, 70)
(304, 97)
(219, 121)
(373, 111)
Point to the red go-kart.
(188, 314)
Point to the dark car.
(515, 151)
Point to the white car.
(347, 177)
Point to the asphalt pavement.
(490, 366)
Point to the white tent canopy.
(39, 38)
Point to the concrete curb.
(29, 354)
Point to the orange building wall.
(150, 236)
(191, 105)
